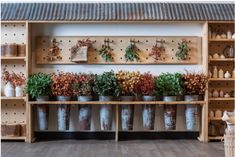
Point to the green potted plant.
(194, 85)
(106, 87)
(148, 91)
(170, 85)
(83, 88)
(183, 49)
(62, 88)
(39, 87)
(129, 82)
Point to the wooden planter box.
(11, 130)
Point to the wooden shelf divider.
(222, 60)
(12, 98)
(221, 79)
(13, 138)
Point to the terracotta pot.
(11, 50)
(148, 113)
(21, 50)
(127, 113)
(84, 117)
(63, 113)
(106, 113)
(42, 113)
(192, 118)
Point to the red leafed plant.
(147, 85)
(62, 84)
(156, 51)
(194, 83)
(15, 79)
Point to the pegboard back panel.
(221, 27)
(118, 45)
(13, 33)
(13, 112)
(16, 66)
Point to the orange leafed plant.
(15, 79)
(194, 83)
(62, 84)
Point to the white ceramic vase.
(19, 91)
(9, 90)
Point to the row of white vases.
(221, 74)
(11, 91)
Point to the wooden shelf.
(216, 138)
(222, 60)
(13, 138)
(12, 98)
(117, 102)
(221, 99)
(221, 79)
(222, 40)
(13, 58)
(214, 118)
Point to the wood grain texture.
(95, 148)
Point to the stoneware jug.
(233, 36)
(227, 95)
(234, 73)
(215, 93)
(211, 114)
(221, 73)
(223, 36)
(227, 75)
(215, 72)
(229, 34)
(216, 56)
(222, 56)
(221, 94)
(218, 113)
(229, 51)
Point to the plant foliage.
(182, 52)
(39, 85)
(107, 85)
(168, 84)
(131, 53)
(105, 53)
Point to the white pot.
(9, 90)
(19, 91)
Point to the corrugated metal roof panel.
(118, 11)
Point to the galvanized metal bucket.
(42, 113)
(170, 113)
(106, 113)
(127, 113)
(148, 113)
(84, 117)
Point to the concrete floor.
(105, 148)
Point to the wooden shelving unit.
(13, 58)
(226, 64)
(13, 138)
(221, 99)
(12, 98)
(118, 102)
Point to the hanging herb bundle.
(182, 52)
(54, 51)
(131, 53)
(156, 51)
(105, 52)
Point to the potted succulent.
(106, 87)
(62, 88)
(194, 85)
(170, 85)
(148, 91)
(79, 51)
(129, 82)
(83, 88)
(39, 87)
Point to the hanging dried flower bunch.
(13, 78)
(147, 84)
(106, 51)
(62, 84)
(54, 51)
(131, 53)
(129, 82)
(81, 43)
(194, 83)
(156, 51)
(183, 49)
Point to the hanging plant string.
(182, 52)
(156, 51)
(106, 52)
(131, 53)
